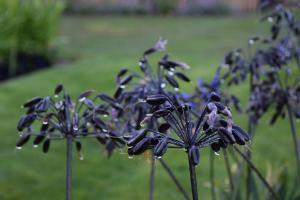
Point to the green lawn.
(102, 46)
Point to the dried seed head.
(86, 94)
(126, 80)
(222, 143)
(107, 98)
(155, 108)
(127, 136)
(118, 92)
(238, 137)
(39, 139)
(182, 76)
(228, 137)
(161, 113)
(25, 121)
(89, 104)
(172, 81)
(137, 137)
(100, 123)
(241, 131)
(117, 106)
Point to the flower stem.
(174, 179)
(228, 171)
(152, 177)
(212, 178)
(295, 138)
(69, 165)
(193, 181)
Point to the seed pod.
(46, 145)
(32, 102)
(107, 98)
(142, 146)
(23, 140)
(44, 127)
(238, 137)
(228, 137)
(156, 99)
(170, 108)
(205, 126)
(164, 127)
(126, 80)
(150, 50)
(39, 139)
(223, 123)
(194, 155)
(215, 147)
(89, 104)
(161, 113)
(86, 94)
(241, 131)
(118, 92)
(100, 123)
(75, 121)
(130, 152)
(209, 131)
(101, 140)
(25, 121)
(121, 73)
(127, 136)
(161, 147)
(182, 76)
(117, 106)
(101, 111)
(30, 110)
(58, 89)
(154, 108)
(38, 107)
(172, 81)
(45, 104)
(137, 137)
(222, 143)
(215, 97)
(117, 137)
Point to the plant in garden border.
(59, 123)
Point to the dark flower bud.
(164, 127)
(39, 139)
(238, 137)
(161, 113)
(30, 110)
(143, 59)
(154, 108)
(25, 121)
(241, 131)
(184, 106)
(101, 140)
(121, 73)
(222, 143)
(46, 145)
(137, 137)
(172, 81)
(117, 137)
(101, 112)
(126, 80)
(86, 94)
(254, 38)
(78, 148)
(170, 108)
(127, 136)
(117, 106)
(150, 50)
(223, 123)
(215, 97)
(118, 92)
(142, 146)
(194, 155)
(130, 152)
(205, 126)
(215, 147)
(44, 127)
(58, 89)
(107, 98)
(89, 104)
(23, 140)
(75, 121)
(156, 99)
(32, 102)
(43, 106)
(161, 147)
(100, 123)
(224, 134)
(182, 76)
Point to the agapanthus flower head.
(64, 118)
(193, 136)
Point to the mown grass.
(102, 47)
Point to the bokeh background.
(83, 44)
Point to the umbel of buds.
(64, 118)
(208, 131)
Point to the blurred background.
(83, 44)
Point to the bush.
(27, 27)
(216, 9)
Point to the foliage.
(27, 26)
